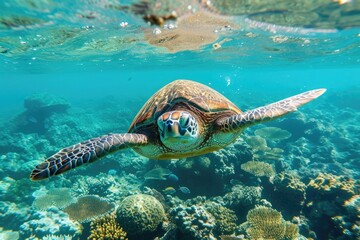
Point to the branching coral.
(140, 213)
(329, 184)
(58, 197)
(106, 228)
(267, 223)
(259, 169)
(88, 208)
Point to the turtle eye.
(184, 121)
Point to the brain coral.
(140, 213)
(224, 217)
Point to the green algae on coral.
(58, 197)
(140, 213)
(259, 169)
(106, 228)
(87, 208)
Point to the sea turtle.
(183, 119)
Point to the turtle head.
(178, 130)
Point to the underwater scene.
(193, 119)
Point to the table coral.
(259, 169)
(140, 213)
(58, 197)
(106, 228)
(87, 208)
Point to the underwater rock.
(57, 197)
(308, 14)
(19, 21)
(193, 31)
(87, 208)
(50, 222)
(106, 227)
(194, 221)
(258, 169)
(39, 107)
(139, 214)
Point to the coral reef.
(225, 219)
(8, 235)
(106, 228)
(290, 185)
(194, 221)
(87, 208)
(50, 222)
(140, 213)
(267, 223)
(258, 169)
(58, 197)
(242, 197)
(39, 108)
(57, 237)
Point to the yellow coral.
(291, 232)
(325, 182)
(106, 228)
(267, 223)
(259, 169)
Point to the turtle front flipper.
(269, 112)
(85, 152)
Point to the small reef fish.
(169, 191)
(184, 190)
(172, 177)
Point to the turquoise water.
(70, 72)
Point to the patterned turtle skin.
(183, 119)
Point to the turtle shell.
(195, 94)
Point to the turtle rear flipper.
(85, 152)
(269, 112)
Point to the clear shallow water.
(106, 73)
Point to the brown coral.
(87, 208)
(106, 228)
(259, 169)
(267, 223)
(329, 184)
